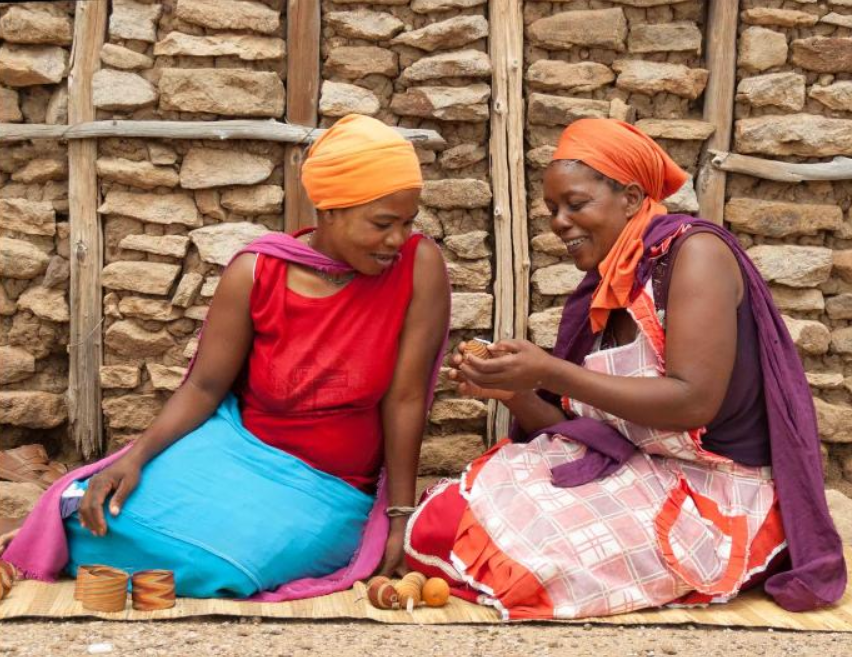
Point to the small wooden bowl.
(102, 588)
(153, 589)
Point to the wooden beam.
(220, 130)
(86, 239)
(840, 168)
(507, 181)
(721, 31)
(303, 80)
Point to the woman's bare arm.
(404, 405)
(222, 353)
(701, 341)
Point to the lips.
(575, 243)
(385, 259)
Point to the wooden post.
(508, 183)
(303, 80)
(84, 348)
(721, 30)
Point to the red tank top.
(319, 367)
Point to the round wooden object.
(102, 588)
(476, 348)
(153, 589)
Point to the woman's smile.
(385, 260)
(575, 244)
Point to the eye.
(576, 207)
(381, 225)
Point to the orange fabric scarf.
(358, 160)
(620, 151)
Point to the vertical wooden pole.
(85, 357)
(721, 30)
(303, 81)
(508, 183)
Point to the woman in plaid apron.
(659, 453)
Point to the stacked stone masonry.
(35, 44)
(794, 103)
(424, 64)
(174, 212)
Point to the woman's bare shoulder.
(705, 259)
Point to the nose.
(561, 220)
(397, 237)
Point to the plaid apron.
(675, 524)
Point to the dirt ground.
(338, 639)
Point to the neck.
(319, 241)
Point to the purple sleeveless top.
(740, 429)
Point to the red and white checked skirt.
(675, 524)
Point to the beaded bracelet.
(400, 511)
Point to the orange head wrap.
(620, 151)
(358, 160)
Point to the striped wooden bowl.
(153, 589)
(101, 588)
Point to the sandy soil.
(324, 639)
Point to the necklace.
(335, 279)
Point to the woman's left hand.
(514, 365)
(393, 563)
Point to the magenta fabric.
(40, 550)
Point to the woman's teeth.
(575, 242)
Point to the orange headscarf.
(358, 160)
(620, 151)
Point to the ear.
(633, 196)
(325, 216)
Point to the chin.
(368, 267)
(585, 264)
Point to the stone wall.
(35, 42)
(423, 64)
(794, 103)
(634, 60)
(174, 211)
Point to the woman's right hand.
(119, 479)
(469, 389)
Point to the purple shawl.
(818, 573)
(40, 551)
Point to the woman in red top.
(336, 332)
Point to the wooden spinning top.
(477, 348)
(381, 593)
(413, 590)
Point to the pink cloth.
(40, 550)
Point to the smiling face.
(368, 237)
(587, 213)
